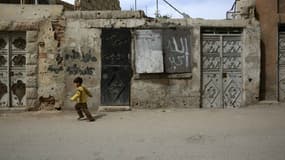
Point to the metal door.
(232, 70)
(221, 71)
(116, 72)
(12, 69)
(281, 66)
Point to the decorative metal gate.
(12, 69)
(222, 70)
(116, 71)
(282, 66)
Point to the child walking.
(80, 97)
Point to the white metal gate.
(12, 69)
(281, 64)
(221, 70)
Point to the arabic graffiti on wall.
(83, 65)
(78, 55)
(76, 70)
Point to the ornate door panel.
(116, 71)
(4, 77)
(222, 71)
(212, 82)
(282, 66)
(18, 70)
(13, 71)
(232, 71)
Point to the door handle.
(225, 75)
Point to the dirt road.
(254, 133)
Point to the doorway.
(221, 69)
(12, 69)
(116, 68)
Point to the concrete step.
(113, 108)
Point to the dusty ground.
(255, 133)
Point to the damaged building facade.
(126, 59)
(271, 16)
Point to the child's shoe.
(91, 120)
(80, 118)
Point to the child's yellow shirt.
(81, 95)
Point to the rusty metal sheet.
(176, 48)
(148, 51)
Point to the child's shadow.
(99, 116)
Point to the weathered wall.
(51, 71)
(251, 63)
(281, 6)
(146, 92)
(29, 12)
(81, 51)
(267, 14)
(99, 5)
(42, 47)
(163, 93)
(245, 8)
(32, 68)
(268, 17)
(69, 45)
(26, 17)
(178, 90)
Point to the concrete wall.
(81, 51)
(251, 63)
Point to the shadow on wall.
(263, 72)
